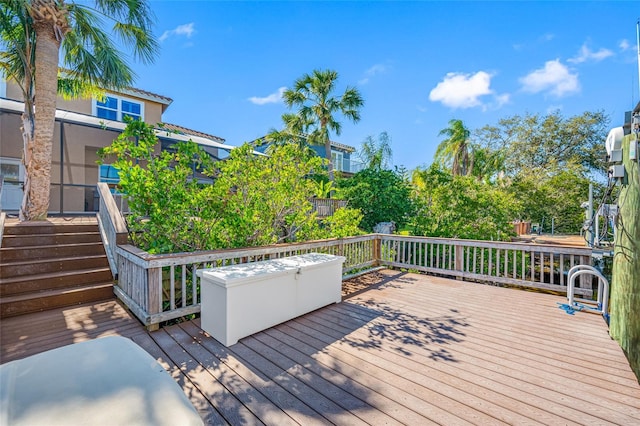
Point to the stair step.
(42, 266)
(51, 299)
(29, 228)
(48, 281)
(50, 251)
(24, 240)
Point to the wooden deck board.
(413, 349)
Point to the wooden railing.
(530, 265)
(326, 207)
(113, 228)
(159, 288)
(3, 217)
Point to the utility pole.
(625, 286)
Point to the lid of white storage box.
(311, 260)
(246, 272)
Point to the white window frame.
(94, 106)
(338, 162)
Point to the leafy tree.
(266, 199)
(317, 107)
(487, 164)
(157, 184)
(381, 196)
(254, 200)
(534, 142)
(345, 222)
(35, 36)
(549, 161)
(376, 154)
(460, 207)
(554, 194)
(454, 151)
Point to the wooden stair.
(48, 265)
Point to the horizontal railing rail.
(159, 288)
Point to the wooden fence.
(326, 207)
(159, 288)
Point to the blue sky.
(417, 64)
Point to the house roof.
(343, 146)
(334, 144)
(134, 91)
(187, 131)
(143, 94)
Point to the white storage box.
(239, 300)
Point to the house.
(82, 127)
(342, 156)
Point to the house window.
(116, 108)
(108, 174)
(11, 181)
(337, 159)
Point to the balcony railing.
(351, 166)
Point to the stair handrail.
(3, 217)
(113, 228)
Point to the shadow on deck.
(401, 349)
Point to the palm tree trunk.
(38, 158)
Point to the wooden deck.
(410, 349)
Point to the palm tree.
(293, 131)
(454, 151)
(376, 154)
(33, 34)
(317, 107)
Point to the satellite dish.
(614, 139)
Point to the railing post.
(459, 260)
(377, 249)
(154, 294)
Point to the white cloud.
(269, 99)
(554, 78)
(585, 54)
(186, 30)
(374, 70)
(624, 45)
(547, 37)
(458, 90)
(501, 100)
